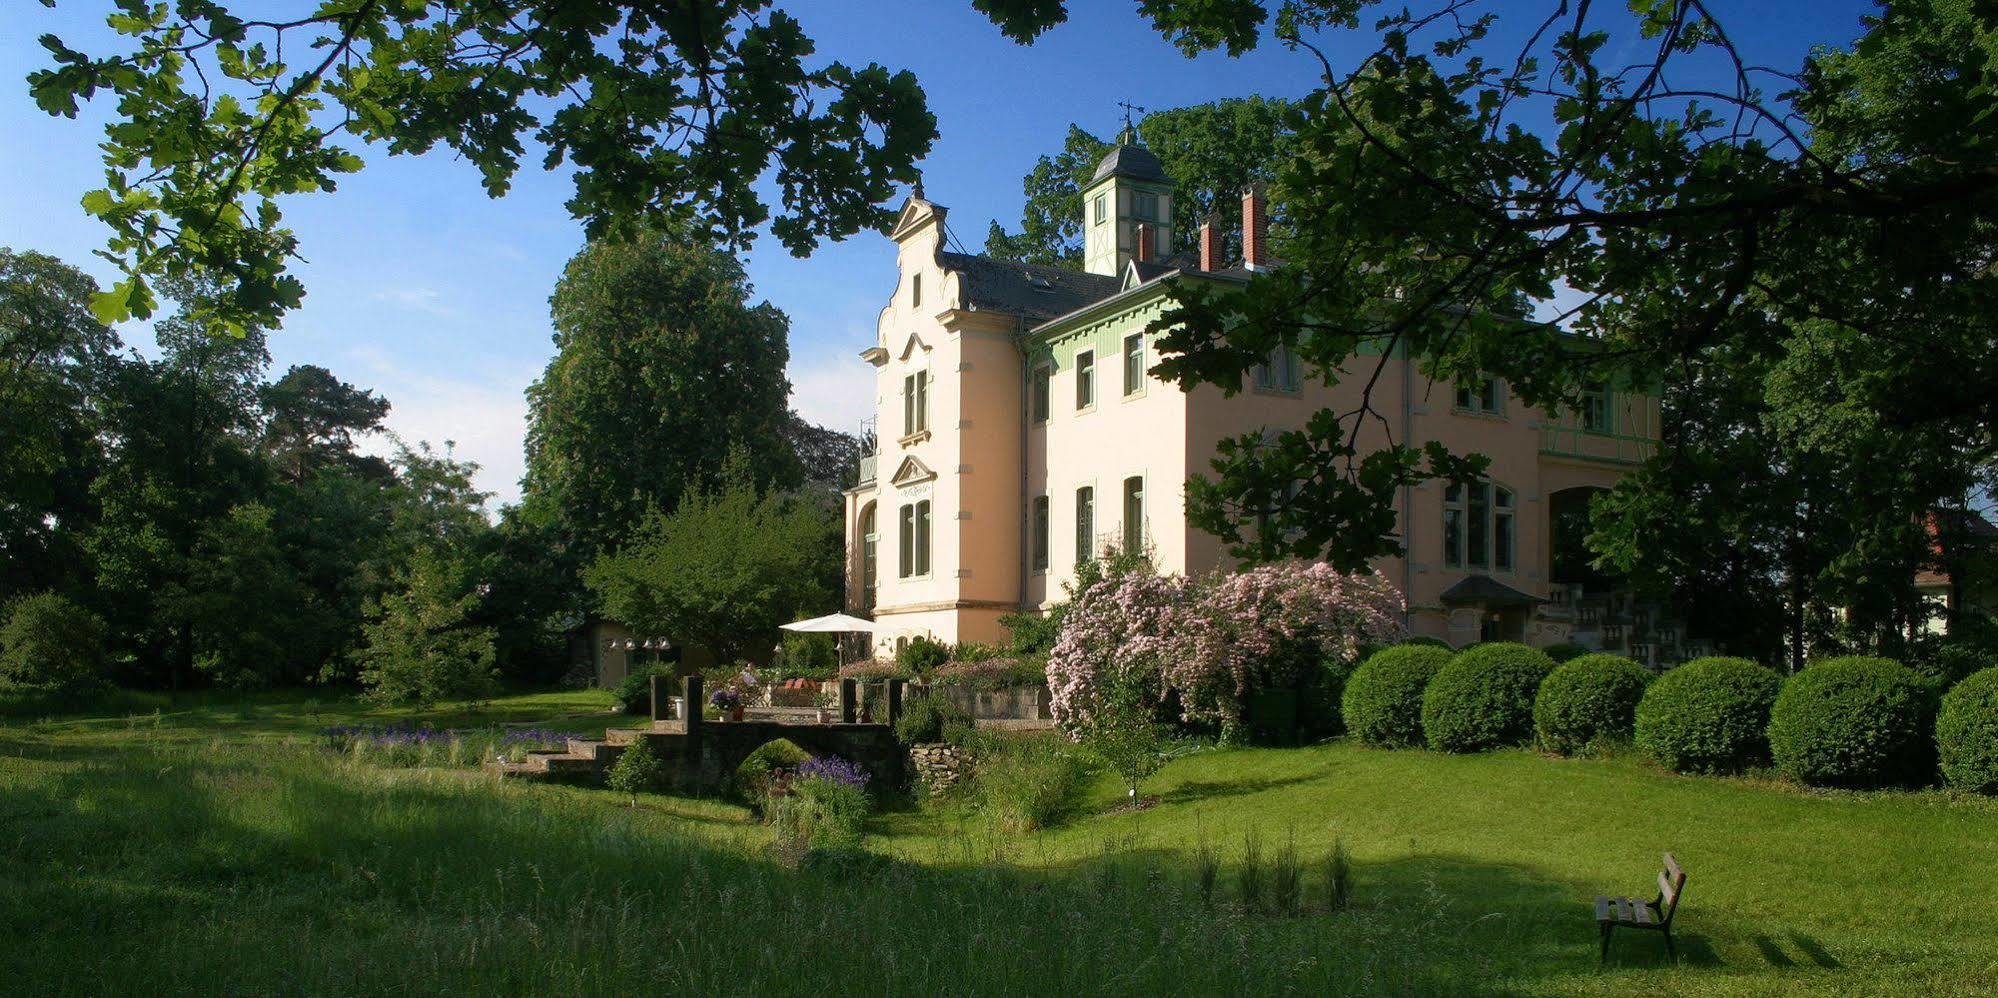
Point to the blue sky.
(425, 290)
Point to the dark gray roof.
(1484, 590)
(1031, 291)
(1136, 162)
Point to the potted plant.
(826, 700)
(728, 700)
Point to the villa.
(1021, 433)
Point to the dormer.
(1129, 189)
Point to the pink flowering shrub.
(1117, 631)
(1263, 627)
(1213, 642)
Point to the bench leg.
(1604, 956)
(1670, 951)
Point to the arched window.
(1479, 527)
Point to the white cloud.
(832, 386)
(482, 414)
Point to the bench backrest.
(1671, 884)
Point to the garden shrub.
(51, 645)
(1853, 722)
(752, 778)
(636, 771)
(1710, 715)
(1000, 673)
(1967, 733)
(1588, 699)
(634, 693)
(807, 656)
(1949, 662)
(1382, 701)
(921, 656)
(827, 805)
(1483, 699)
(1427, 641)
(1566, 651)
(1025, 783)
(1319, 696)
(929, 718)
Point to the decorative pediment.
(915, 213)
(914, 344)
(911, 472)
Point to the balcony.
(867, 463)
(1572, 441)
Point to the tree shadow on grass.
(1196, 791)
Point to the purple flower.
(726, 698)
(833, 768)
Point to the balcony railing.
(1571, 440)
(867, 463)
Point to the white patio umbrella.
(833, 623)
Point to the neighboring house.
(607, 651)
(1958, 581)
(1020, 434)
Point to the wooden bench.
(1655, 915)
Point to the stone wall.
(937, 766)
(1018, 703)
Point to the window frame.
(1481, 526)
(1040, 519)
(1085, 379)
(1484, 397)
(1100, 209)
(1598, 394)
(1085, 524)
(1145, 206)
(1041, 394)
(915, 290)
(1134, 365)
(915, 404)
(1280, 372)
(1134, 532)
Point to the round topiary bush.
(1382, 702)
(1588, 699)
(1967, 733)
(1426, 641)
(1852, 722)
(1710, 715)
(1484, 698)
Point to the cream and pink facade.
(1020, 432)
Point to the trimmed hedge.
(929, 719)
(1382, 702)
(1967, 733)
(1589, 699)
(1710, 715)
(1853, 722)
(1484, 698)
(1425, 641)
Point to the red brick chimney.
(1142, 252)
(1255, 228)
(1210, 244)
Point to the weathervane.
(1128, 108)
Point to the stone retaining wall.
(937, 766)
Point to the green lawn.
(221, 849)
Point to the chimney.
(1142, 252)
(1210, 244)
(1255, 228)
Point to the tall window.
(1134, 363)
(915, 291)
(1085, 379)
(905, 549)
(1134, 514)
(1280, 372)
(869, 541)
(1099, 209)
(1478, 395)
(1085, 525)
(1596, 408)
(915, 539)
(915, 403)
(1146, 207)
(1043, 392)
(1041, 528)
(1478, 527)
